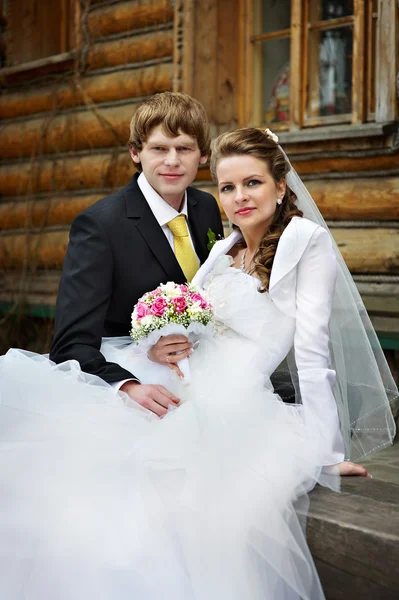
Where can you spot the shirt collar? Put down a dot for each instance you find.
(162, 211)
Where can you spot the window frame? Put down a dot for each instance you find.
(386, 68)
(60, 61)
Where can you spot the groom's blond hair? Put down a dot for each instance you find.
(177, 113)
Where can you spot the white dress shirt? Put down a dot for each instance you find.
(163, 213)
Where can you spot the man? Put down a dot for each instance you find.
(128, 243)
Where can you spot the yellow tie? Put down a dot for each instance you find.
(184, 252)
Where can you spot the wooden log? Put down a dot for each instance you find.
(105, 170)
(106, 87)
(45, 249)
(50, 211)
(373, 250)
(364, 250)
(100, 170)
(124, 16)
(362, 199)
(72, 131)
(39, 287)
(338, 165)
(109, 53)
(365, 199)
(343, 164)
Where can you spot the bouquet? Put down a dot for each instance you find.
(172, 309)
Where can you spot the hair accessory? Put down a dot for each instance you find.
(271, 135)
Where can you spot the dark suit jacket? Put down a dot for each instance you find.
(117, 251)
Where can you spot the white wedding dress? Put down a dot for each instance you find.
(103, 501)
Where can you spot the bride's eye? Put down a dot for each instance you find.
(226, 188)
(253, 182)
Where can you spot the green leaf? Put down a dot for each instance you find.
(211, 239)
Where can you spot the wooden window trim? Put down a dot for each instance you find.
(371, 100)
(358, 121)
(359, 64)
(335, 23)
(281, 34)
(386, 61)
(60, 62)
(37, 68)
(341, 131)
(245, 63)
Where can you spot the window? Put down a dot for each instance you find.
(328, 48)
(35, 30)
(308, 63)
(272, 41)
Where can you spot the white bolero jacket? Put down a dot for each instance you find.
(302, 286)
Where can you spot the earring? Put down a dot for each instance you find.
(279, 201)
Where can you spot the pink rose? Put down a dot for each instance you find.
(142, 310)
(184, 289)
(198, 298)
(158, 307)
(180, 304)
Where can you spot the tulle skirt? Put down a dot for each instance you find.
(102, 500)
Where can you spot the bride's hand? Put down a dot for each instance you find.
(169, 350)
(350, 468)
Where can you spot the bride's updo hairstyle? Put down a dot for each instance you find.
(259, 144)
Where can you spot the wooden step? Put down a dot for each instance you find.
(354, 535)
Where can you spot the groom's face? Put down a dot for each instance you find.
(170, 164)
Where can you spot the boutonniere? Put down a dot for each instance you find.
(212, 238)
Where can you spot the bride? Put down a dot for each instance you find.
(102, 499)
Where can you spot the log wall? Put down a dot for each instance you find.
(64, 124)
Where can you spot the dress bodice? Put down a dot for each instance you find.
(242, 312)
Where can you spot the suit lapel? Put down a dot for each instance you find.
(199, 223)
(139, 212)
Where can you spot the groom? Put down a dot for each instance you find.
(125, 244)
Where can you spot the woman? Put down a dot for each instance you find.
(107, 501)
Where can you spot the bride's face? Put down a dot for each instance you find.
(248, 192)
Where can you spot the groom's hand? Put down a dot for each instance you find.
(155, 398)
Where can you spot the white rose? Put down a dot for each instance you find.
(170, 290)
(194, 308)
(147, 320)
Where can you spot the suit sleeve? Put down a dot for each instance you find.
(314, 297)
(83, 298)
